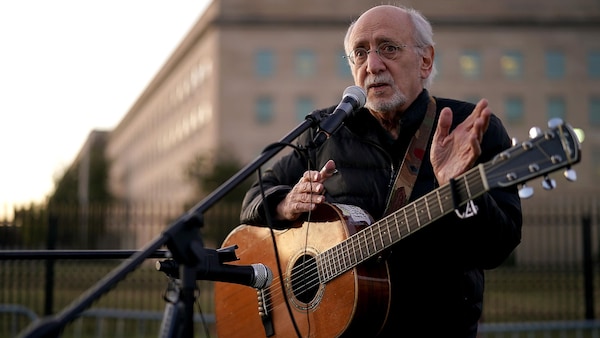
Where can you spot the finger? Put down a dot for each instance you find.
(481, 124)
(486, 115)
(309, 176)
(444, 124)
(328, 170)
(480, 107)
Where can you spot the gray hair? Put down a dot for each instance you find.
(422, 34)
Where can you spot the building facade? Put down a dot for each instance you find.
(250, 71)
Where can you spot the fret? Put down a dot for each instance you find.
(437, 192)
(332, 261)
(327, 264)
(427, 207)
(469, 195)
(351, 255)
(406, 221)
(447, 201)
(366, 243)
(357, 248)
(362, 254)
(417, 214)
(365, 236)
(389, 232)
(329, 268)
(386, 236)
(322, 266)
(371, 241)
(353, 244)
(420, 205)
(348, 255)
(344, 255)
(397, 227)
(381, 237)
(337, 263)
(341, 257)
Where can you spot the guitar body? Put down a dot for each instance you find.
(354, 303)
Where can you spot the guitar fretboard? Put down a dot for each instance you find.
(391, 229)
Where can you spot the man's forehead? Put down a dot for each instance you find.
(368, 32)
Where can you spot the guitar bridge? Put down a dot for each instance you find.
(263, 312)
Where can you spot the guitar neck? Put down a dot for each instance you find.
(388, 231)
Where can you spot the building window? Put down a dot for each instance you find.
(305, 63)
(264, 110)
(264, 63)
(343, 68)
(594, 112)
(555, 65)
(513, 108)
(511, 64)
(556, 107)
(594, 64)
(304, 106)
(470, 64)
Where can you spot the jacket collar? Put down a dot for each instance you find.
(365, 125)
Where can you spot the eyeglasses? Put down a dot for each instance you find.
(385, 50)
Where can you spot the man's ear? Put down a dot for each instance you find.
(427, 61)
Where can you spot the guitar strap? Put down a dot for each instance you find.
(407, 175)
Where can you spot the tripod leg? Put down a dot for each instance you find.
(170, 326)
(172, 321)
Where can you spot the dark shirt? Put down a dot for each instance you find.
(436, 274)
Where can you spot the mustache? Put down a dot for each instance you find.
(379, 79)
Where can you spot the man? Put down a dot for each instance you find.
(436, 274)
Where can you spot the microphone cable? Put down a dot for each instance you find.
(269, 221)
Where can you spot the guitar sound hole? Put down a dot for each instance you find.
(305, 279)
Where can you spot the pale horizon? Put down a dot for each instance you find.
(69, 67)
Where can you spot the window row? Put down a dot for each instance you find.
(556, 107)
(512, 62)
(470, 64)
(513, 109)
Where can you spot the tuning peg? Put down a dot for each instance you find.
(548, 183)
(555, 122)
(535, 132)
(570, 175)
(514, 141)
(525, 191)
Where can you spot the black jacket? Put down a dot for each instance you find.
(437, 273)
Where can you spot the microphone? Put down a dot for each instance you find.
(354, 98)
(258, 275)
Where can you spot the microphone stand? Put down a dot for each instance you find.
(183, 240)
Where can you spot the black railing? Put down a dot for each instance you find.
(553, 275)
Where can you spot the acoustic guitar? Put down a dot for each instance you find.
(328, 281)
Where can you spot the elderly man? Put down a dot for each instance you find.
(436, 275)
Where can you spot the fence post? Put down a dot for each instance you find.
(588, 267)
(49, 285)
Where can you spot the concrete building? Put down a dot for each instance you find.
(250, 71)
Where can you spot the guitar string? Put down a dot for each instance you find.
(279, 289)
(371, 241)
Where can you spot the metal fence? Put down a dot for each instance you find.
(549, 287)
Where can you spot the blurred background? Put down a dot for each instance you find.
(248, 72)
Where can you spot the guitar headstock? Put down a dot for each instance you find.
(544, 153)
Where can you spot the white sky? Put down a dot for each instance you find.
(70, 66)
